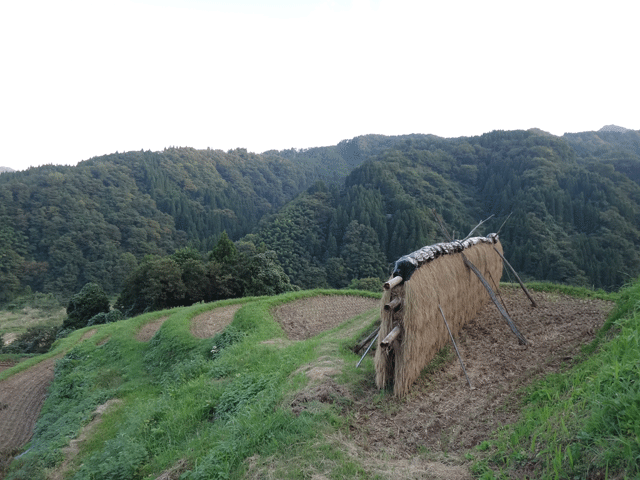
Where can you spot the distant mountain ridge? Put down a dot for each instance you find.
(613, 128)
(332, 213)
(6, 169)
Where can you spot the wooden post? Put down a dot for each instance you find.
(361, 345)
(502, 311)
(455, 346)
(533, 302)
(393, 334)
(394, 304)
(368, 348)
(393, 282)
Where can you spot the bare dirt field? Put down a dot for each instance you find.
(207, 324)
(443, 416)
(308, 317)
(21, 398)
(148, 330)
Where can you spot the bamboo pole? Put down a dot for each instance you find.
(473, 268)
(455, 346)
(393, 334)
(368, 348)
(394, 304)
(361, 345)
(393, 282)
(533, 302)
(505, 315)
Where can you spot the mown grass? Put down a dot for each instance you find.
(183, 404)
(583, 423)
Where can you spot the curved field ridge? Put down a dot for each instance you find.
(308, 317)
(148, 330)
(207, 324)
(21, 398)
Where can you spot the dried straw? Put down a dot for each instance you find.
(445, 281)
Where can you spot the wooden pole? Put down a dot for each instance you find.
(473, 268)
(533, 302)
(361, 345)
(455, 346)
(368, 348)
(394, 304)
(505, 315)
(393, 334)
(393, 282)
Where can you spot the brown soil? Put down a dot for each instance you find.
(207, 324)
(88, 334)
(308, 317)
(21, 398)
(443, 415)
(5, 364)
(148, 330)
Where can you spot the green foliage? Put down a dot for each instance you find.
(222, 340)
(575, 202)
(37, 339)
(225, 252)
(90, 301)
(102, 317)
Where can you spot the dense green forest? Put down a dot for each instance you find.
(331, 214)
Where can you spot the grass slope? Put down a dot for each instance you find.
(182, 401)
(225, 412)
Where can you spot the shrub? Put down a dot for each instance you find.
(90, 301)
(37, 339)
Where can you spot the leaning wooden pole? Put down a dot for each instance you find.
(533, 302)
(455, 346)
(361, 345)
(504, 313)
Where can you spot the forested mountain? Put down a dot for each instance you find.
(331, 213)
(618, 148)
(574, 218)
(6, 169)
(61, 227)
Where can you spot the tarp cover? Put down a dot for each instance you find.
(406, 265)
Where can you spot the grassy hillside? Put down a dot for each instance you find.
(211, 403)
(250, 402)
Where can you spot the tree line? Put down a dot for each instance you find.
(329, 214)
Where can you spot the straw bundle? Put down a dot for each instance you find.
(444, 281)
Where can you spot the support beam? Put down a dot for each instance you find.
(393, 334)
(533, 302)
(393, 282)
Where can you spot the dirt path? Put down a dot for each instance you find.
(442, 415)
(308, 317)
(207, 324)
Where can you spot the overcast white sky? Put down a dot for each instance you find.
(86, 78)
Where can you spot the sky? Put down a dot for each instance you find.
(85, 78)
